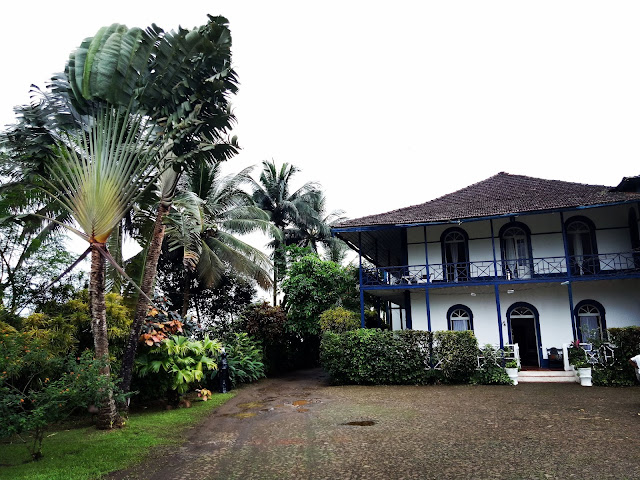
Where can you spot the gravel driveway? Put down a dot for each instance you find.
(299, 427)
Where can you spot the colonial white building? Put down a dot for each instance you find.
(516, 259)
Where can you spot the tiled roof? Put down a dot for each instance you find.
(501, 194)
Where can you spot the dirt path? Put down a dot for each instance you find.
(298, 427)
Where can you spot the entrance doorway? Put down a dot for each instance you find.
(523, 330)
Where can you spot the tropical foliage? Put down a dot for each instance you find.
(272, 193)
(185, 360)
(312, 286)
(208, 214)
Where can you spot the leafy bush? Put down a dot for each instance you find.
(312, 286)
(409, 357)
(268, 325)
(186, 361)
(338, 320)
(491, 371)
(457, 353)
(33, 407)
(618, 372)
(244, 356)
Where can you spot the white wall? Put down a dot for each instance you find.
(619, 298)
(612, 236)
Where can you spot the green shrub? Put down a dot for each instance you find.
(338, 320)
(457, 353)
(491, 371)
(186, 361)
(33, 407)
(267, 324)
(618, 372)
(409, 357)
(244, 356)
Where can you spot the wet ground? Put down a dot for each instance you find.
(299, 427)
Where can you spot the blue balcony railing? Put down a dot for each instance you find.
(602, 265)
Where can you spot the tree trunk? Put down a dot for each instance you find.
(108, 415)
(275, 281)
(142, 307)
(185, 292)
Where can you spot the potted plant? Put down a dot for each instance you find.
(578, 360)
(511, 367)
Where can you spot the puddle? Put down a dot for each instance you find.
(361, 423)
(246, 406)
(244, 415)
(299, 403)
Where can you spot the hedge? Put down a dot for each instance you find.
(410, 357)
(619, 372)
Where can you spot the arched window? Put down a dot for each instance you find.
(583, 250)
(516, 250)
(455, 254)
(590, 321)
(460, 318)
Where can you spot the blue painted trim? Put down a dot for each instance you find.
(407, 310)
(567, 260)
(527, 231)
(475, 219)
(497, 293)
(459, 306)
(443, 249)
(426, 290)
(362, 324)
(493, 249)
(536, 317)
(592, 236)
(601, 310)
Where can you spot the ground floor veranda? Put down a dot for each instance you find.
(536, 316)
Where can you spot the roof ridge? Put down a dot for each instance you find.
(499, 194)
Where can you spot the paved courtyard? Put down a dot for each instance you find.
(299, 427)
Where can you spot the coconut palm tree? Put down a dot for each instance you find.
(206, 217)
(272, 194)
(315, 231)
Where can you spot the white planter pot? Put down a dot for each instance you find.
(585, 376)
(513, 374)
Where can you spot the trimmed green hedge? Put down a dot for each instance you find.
(368, 356)
(619, 372)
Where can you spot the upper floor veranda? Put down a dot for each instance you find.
(566, 245)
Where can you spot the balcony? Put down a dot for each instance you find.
(581, 267)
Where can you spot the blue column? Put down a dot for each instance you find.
(493, 249)
(495, 285)
(497, 291)
(567, 260)
(361, 286)
(407, 310)
(426, 289)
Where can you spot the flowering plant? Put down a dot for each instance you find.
(204, 394)
(577, 355)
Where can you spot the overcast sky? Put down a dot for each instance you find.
(392, 104)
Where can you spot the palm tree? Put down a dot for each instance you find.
(190, 79)
(315, 231)
(272, 194)
(204, 220)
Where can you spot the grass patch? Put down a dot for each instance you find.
(86, 453)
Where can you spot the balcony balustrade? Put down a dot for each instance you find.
(528, 269)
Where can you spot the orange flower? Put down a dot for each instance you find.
(22, 400)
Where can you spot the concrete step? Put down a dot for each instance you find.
(547, 376)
